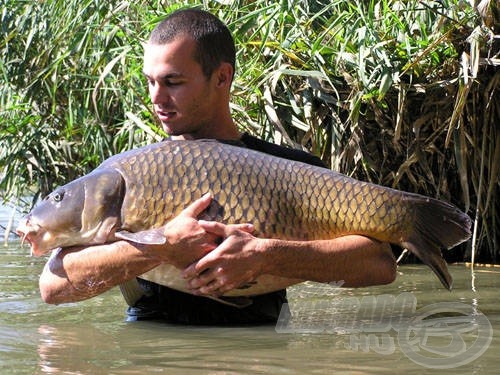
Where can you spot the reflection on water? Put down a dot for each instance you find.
(91, 337)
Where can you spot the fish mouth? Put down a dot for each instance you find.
(31, 234)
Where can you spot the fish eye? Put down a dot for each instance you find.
(58, 196)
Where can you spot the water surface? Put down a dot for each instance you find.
(91, 337)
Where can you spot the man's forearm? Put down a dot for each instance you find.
(79, 273)
(76, 274)
(356, 260)
(241, 258)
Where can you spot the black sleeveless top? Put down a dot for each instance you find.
(171, 306)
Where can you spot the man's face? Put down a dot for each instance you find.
(182, 96)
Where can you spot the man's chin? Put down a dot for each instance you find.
(170, 129)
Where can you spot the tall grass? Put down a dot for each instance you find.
(402, 93)
(72, 89)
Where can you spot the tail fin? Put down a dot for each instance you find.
(437, 225)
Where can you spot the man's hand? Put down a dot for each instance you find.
(186, 240)
(234, 263)
(241, 258)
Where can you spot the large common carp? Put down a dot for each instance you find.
(144, 188)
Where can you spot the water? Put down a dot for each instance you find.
(91, 337)
(9, 217)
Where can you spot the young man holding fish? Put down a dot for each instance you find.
(189, 63)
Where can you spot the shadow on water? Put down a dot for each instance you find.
(360, 331)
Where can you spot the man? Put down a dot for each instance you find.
(189, 63)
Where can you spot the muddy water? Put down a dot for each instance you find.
(412, 326)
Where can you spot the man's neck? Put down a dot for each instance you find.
(229, 132)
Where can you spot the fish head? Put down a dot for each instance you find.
(85, 211)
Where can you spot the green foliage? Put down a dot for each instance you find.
(388, 91)
(71, 83)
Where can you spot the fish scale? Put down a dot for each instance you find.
(281, 191)
(281, 198)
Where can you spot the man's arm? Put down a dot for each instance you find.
(76, 274)
(356, 260)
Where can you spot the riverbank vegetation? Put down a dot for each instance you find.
(400, 93)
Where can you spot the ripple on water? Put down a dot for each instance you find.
(91, 337)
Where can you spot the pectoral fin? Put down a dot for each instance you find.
(131, 291)
(147, 237)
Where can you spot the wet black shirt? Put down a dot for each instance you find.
(169, 305)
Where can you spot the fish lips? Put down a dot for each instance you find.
(32, 234)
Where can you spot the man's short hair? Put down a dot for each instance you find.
(214, 42)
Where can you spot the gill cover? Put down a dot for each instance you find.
(100, 215)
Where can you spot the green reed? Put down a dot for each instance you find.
(401, 93)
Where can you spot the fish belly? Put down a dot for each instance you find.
(169, 276)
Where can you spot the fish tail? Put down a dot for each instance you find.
(436, 225)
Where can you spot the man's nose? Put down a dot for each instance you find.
(158, 94)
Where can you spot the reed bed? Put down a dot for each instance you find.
(400, 93)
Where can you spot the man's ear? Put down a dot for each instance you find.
(224, 74)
